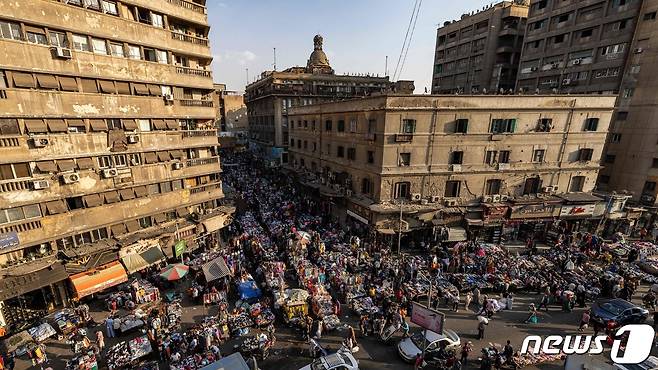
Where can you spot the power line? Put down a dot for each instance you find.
(405, 38)
(411, 36)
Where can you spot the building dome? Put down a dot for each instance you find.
(318, 61)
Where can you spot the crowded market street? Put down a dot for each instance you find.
(284, 281)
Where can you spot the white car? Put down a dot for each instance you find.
(337, 361)
(410, 347)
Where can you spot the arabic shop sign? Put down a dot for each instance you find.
(583, 210)
(533, 211)
(179, 248)
(9, 240)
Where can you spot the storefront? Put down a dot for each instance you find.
(577, 213)
(530, 219)
(493, 218)
(138, 258)
(98, 279)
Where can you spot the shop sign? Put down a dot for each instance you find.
(427, 318)
(9, 240)
(494, 213)
(533, 211)
(179, 248)
(583, 210)
(358, 217)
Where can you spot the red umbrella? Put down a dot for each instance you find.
(174, 272)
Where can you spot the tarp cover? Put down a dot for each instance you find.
(248, 290)
(215, 269)
(99, 279)
(232, 362)
(137, 262)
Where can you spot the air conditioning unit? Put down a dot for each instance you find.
(40, 142)
(133, 139)
(169, 98)
(40, 184)
(177, 165)
(504, 198)
(496, 198)
(566, 81)
(348, 193)
(577, 61)
(110, 172)
(424, 202)
(548, 189)
(487, 199)
(70, 178)
(416, 197)
(62, 53)
(503, 166)
(639, 50)
(456, 168)
(533, 69)
(435, 199)
(450, 202)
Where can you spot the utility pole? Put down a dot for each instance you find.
(400, 227)
(274, 59)
(386, 67)
(247, 69)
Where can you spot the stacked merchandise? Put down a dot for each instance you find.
(240, 321)
(139, 347)
(41, 332)
(129, 322)
(530, 359)
(364, 306)
(118, 356)
(86, 361)
(145, 292)
(65, 321)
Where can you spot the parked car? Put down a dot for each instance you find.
(337, 361)
(410, 347)
(619, 311)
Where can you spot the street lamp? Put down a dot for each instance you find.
(400, 203)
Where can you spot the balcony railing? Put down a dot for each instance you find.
(7, 186)
(21, 227)
(193, 72)
(404, 138)
(195, 103)
(9, 142)
(199, 133)
(206, 187)
(189, 38)
(202, 161)
(189, 5)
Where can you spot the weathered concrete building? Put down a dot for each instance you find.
(577, 46)
(232, 122)
(269, 99)
(108, 146)
(481, 51)
(435, 154)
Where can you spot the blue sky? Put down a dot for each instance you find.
(358, 34)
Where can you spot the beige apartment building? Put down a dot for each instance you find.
(513, 154)
(108, 148)
(480, 52)
(232, 121)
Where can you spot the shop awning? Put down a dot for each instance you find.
(456, 234)
(85, 163)
(98, 125)
(13, 285)
(137, 262)
(386, 231)
(98, 279)
(215, 269)
(214, 223)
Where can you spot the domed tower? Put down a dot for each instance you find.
(318, 62)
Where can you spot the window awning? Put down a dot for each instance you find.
(171, 124)
(118, 229)
(111, 197)
(215, 223)
(46, 166)
(155, 90)
(140, 89)
(23, 80)
(68, 83)
(92, 200)
(182, 212)
(65, 165)
(56, 207)
(159, 124)
(98, 125)
(137, 262)
(78, 123)
(176, 154)
(129, 124)
(123, 88)
(127, 194)
(132, 225)
(32, 29)
(163, 156)
(160, 218)
(150, 157)
(215, 269)
(99, 279)
(85, 163)
(47, 81)
(141, 191)
(35, 126)
(107, 87)
(57, 125)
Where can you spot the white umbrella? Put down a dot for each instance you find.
(483, 319)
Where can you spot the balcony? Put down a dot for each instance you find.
(193, 72)
(189, 5)
(404, 138)
(202, 161)
(189, 38)
(195, 103)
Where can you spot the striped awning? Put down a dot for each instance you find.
(98, 279)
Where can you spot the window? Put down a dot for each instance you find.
(493, 187)
(305, 145)
(114, 123)
(649, 16)
(340, 152)
(591, 124)
(81, 43)
(610, 159)
(99, 46)
(628, 93)
(404, 160)
(452, 189)
(161, 56)
(145, 222)
(503, 156)
(577, 184)
(538, 155)
(299, 144)
(461, 126)
(149, 55)
(650, 186)
(157, 20)
(104, 161)
(315, 147)
(327, 125)
(58, 39)
(353, 125)
(120, 160)
(36, 36)
(109, 7)
(371, 157)
(456, 157)
(585, 154)
(655, 163)
(366, 186)
(93, 4)
(14, 171)
(341, 126)
(622, 116)
(558, 39)
(532, 185)
(165, 187)
(499, 126)
(10, 31)
(613, 49)
(615, 138)
(402, 190)
(134, 52)
(135, 159)
(408, 126)
(75, 203)
(586, 33)
(144, 125)
(372, 125)
(116, 49)
(545, 125)
(351, 154)
(9, 126)
(491, 157)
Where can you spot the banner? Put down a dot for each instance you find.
(9, 240)
(180, 248)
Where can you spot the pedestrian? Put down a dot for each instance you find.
(532, 318)
(113, 307)
(318, 332)
(100, 341)
(467, 300)
(455, 302)
(418, 364)
(363, 325)
(481, 326)
(584, 321)
(508, 352)
(476, 297)
(109, 326)
(544, 302)
(466, 350)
